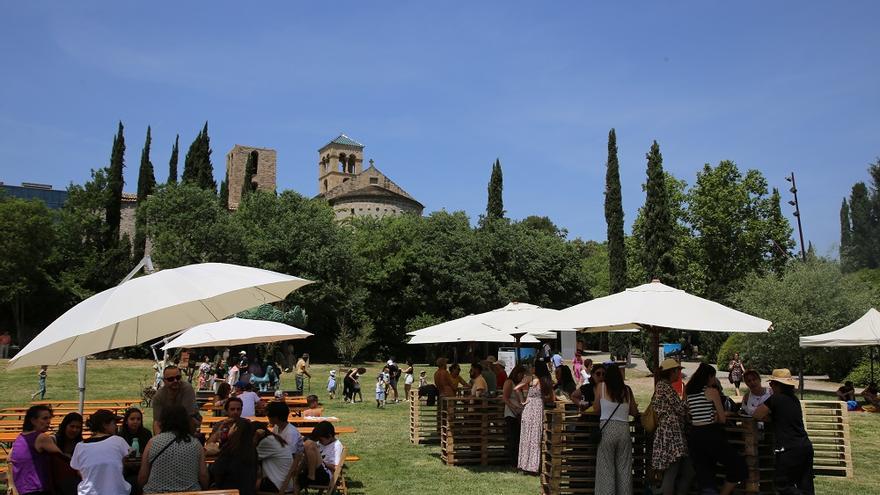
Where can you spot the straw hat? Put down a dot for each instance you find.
(670, 364)
(783, 376)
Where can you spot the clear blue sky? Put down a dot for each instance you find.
(438, 90)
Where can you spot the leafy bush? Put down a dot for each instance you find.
(861, 374)
(736, 342)
(810, 298)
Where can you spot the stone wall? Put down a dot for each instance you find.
(236, 160)
(378, 207)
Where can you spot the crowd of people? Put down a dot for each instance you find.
(122, 456)
(689, 441)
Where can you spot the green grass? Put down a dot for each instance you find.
(389, 463)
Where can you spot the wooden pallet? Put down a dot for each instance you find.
(827, 424)
(473, 431)
(424, 420)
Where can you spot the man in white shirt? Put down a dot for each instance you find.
(323, 452)
(249, 399)
(275, 458)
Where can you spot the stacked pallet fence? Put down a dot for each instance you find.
(755, 446)
(827, 424)
(568, 453)
(424, 424)
(472, 431)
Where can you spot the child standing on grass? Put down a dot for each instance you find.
(331, 384)
(380, 391)
(42, 390)
(423, 380)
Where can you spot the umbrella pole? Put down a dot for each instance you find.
(518, 344)
(872, 365)
(655, 341)
(81, 382)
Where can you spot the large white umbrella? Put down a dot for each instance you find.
(650, 307)
(236, 331)
(152, 306)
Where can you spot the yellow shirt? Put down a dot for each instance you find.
(480, 386)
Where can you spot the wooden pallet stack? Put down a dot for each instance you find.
(755, 447)
(472, 431)
(827, 424)
(568, 454)
(424, 424)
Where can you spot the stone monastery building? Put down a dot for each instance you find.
(342, 181)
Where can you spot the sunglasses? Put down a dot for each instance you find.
(172, 378)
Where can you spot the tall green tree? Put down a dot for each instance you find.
(780, 234)
(146, 186)
(614, 218)
(495, 205)
(172, 163)
(862, 249)
(27, 243)
(658, 238)
(845, 237)
(116, 182)
(224, 194)
(874, 172)
(197, 167)
(250, 171)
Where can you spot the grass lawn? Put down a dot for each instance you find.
(389, 463)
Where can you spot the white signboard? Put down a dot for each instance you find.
(507, 358)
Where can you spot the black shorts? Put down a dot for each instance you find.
(322, 477)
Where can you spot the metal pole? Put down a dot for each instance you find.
(797, 213)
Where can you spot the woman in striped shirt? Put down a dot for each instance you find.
(707, 440)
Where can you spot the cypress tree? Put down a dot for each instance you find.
(172, 164)
(205, 169)
(658, 235)
(614, 219)
(250, 171)
(861, 240)
(192, 162)
(115, 183)
(845, 236)
(146, 186)
(874, 171)
(224, 194)
(495, 205)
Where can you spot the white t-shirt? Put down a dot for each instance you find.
(101, 466)
(331, 453)
(249, 404)
(276, 459)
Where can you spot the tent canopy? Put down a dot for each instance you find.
(862, 332)
(236, 331)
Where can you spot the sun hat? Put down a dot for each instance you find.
(670, 364)
(783, 376)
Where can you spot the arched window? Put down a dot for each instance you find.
(342, 159)
(325, 185)
(351, 163)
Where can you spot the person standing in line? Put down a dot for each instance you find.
(41, 391)
(615, 404)
(670, 453)
(556, 360)
(755, 395)
(513, 408)
(794, 451)
(538, 389)
(707, 439)
(302, 371)
(408, 379)
(233, 375)
(479, 387)
(577, 367)
(443, 379)
(5, 342)
(457, 380)
(735, 372)
(393, 378)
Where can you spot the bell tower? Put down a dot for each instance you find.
(339, 160)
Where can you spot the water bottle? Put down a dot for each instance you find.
(135, 448)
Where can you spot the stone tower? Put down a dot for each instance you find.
(339, 161)
(236, 160)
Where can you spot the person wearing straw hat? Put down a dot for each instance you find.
(794, 451)
(670, 444)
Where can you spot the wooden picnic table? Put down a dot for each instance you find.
(98, 402)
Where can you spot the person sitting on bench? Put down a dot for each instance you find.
(323, 452)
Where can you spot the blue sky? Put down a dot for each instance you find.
(438, 91)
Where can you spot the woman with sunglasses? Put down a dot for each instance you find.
(585, 395)
(31, 451)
